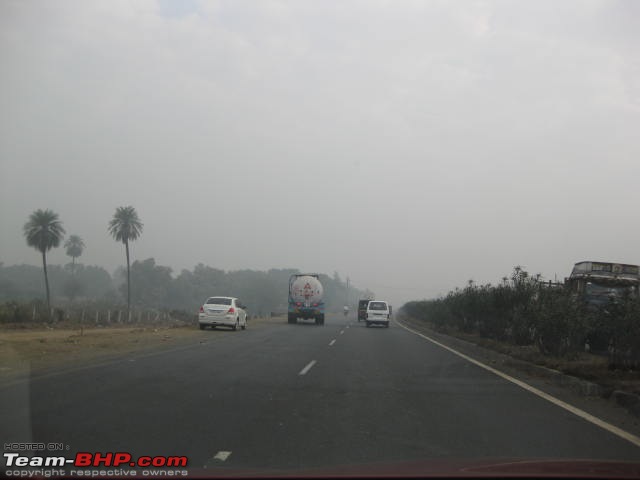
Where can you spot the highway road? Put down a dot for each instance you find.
(299, 397)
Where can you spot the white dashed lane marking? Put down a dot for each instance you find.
(221, 455)
(332, 342)
(307, 368)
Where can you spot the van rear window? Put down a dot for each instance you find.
(377, 306)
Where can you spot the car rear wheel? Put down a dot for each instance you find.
(235, 327)
(368, 324)
(201, 327)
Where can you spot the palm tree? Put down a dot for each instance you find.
(43, 232)
(74, 247)
(125, 226)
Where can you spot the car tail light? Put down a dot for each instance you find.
(315, 304)
(298, 304)
(201, 309)
(232, 310)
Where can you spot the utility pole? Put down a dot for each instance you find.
(346, 299)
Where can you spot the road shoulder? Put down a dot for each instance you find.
(602, 408)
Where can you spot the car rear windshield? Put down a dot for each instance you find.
(218, 301)
(377, 306)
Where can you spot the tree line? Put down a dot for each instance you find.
(525, 310)
(155, 286)
(44, 231)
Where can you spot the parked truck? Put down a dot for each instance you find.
(306, 298)
(598, 283)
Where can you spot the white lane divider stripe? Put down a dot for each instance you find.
(576, 411)
(332, 342)
(307, 368)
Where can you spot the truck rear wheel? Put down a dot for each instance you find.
(291, 318)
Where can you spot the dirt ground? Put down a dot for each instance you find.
(41, 349)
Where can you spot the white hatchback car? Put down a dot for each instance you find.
(378, 312)
(222, 311)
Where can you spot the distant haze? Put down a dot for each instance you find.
(407, 145)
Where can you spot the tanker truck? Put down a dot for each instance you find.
(306, 298)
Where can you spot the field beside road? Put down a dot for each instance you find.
(41, 349)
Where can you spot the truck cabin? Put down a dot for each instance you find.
(599, 283)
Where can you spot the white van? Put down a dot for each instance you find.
(378, 312)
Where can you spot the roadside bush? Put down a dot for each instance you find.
(524, 310)
(624, 348)
(560, 327)
(13, 311)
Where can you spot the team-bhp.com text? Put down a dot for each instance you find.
(50, 465)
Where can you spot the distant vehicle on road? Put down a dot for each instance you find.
(378, 313)
(362, 309)
(306, 298)
(222, 311)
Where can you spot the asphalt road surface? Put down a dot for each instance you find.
(299, 397)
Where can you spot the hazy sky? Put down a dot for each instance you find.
(409, 145)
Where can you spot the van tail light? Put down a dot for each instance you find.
(232, 310)
(201, 309)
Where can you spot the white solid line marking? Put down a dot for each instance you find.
(341, 332)
(332, 342)
(307, 368)
(576, 411)
(221, 455)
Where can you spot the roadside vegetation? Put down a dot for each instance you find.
(532, 315)
(157, 290)
(144, 291)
